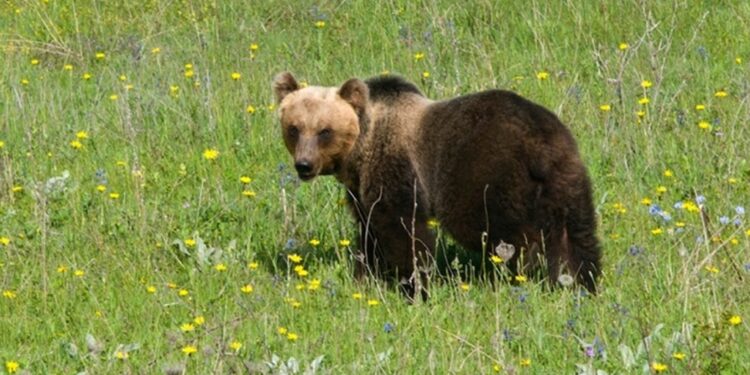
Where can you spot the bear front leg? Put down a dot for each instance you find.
(404, 250)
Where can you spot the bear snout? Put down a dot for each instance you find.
(304, 169)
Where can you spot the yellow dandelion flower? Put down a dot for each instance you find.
(433, 223)
(721, 94)
(79, 273)
(86, 76)
(221, 267)
(314, 242)
(236, 76)
(247, 289)
(497, 368)
(496, 259)
(82, 134)
(521, 278)
(248, 193)
(659, 367)
(254, 47)
(734, 241)
(187, 327)
(680, 224)
(735, 320)
(678, 356)
(252, 265)
(732, 181)
(100, 55)
(357, 295)
(525, 362)
(661, 189)
(646, 201)
(657, 231)
(418, 56)
(199, 320)
(34, 61)
(245, 180)
(2, 144)
(690, 206)
(605, 107)
(294, 258)
(24, 81)
(189, 350)
(113, 97)
(151, 289)
(542, 75)
(16, 189)
(12, 366)
(344, 243)
(189, 242)
(189, 74)
(373, 302)
(9, 294)
(623, 46)
(700, 107)
(313, 284)
(646, 84)
(705, 125)
(68, 67)
(155, 50)
(114, 196)
(121, 354)
(465, 287)
(210, 154)
(302, 273)
(235, 345)
(250, 109)
(291, 336)
(62, 269)
(101, 188)
(5, 241)
(712, 269)
(282, 331)
(668, 173)
(425, 74)
(123, 77)
(320, 24)
(77, 145)
(644, 100)
(183, 293)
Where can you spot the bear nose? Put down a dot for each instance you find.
(303, 167)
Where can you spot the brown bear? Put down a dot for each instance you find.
(500, 173)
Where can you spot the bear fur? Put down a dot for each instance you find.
(501, 175)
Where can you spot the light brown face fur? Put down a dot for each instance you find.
(320, 125)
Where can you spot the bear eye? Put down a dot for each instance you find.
(292, 131)
(325, 134)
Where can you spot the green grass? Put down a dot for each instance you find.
(75, 262)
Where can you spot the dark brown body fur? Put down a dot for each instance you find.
(492, 167)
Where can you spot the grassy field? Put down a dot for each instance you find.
(150, 221)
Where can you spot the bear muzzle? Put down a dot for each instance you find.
(305, 169)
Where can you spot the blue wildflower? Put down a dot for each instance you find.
(635, 250)
(700, 199)
(724, 220)
(387, 327)
(290, 244)
(740, 210)
(654, 210)
(737, 222)
(678, 205)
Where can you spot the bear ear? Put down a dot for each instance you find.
(283, 85)
(355, 92)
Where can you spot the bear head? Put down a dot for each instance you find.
(320, 125)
